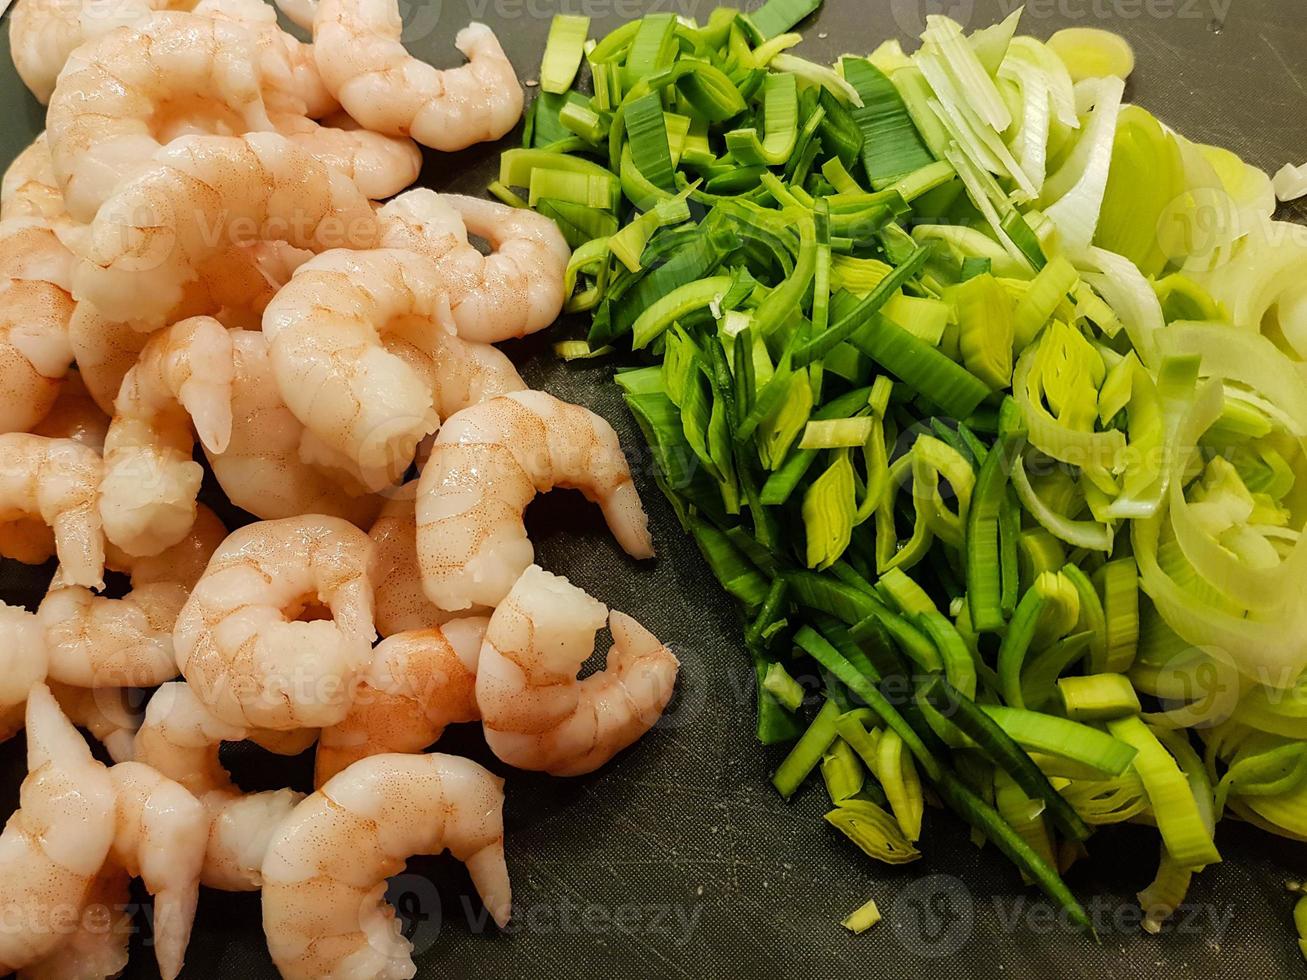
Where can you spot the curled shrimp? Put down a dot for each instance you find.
(324, 875)
(109, 714)
(515, 290)
(54, 845)
(536, 714)
(378, 165)
(94, 641)
(365, 356)
(364, 64)
(239, 642)
(119, 98)
(262, 469)
(232, 286)
(29, 188)
(201, 195)
(401, 605)
(23, 664)
(75, 415)
(58, 482)
(487, 464)
(417, 684)
(160, 834)
(35, 307)
(180, 386)
(181, 738)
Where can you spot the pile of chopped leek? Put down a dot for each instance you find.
(982, 393)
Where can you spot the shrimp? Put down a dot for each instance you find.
(201, 195)
(324, 875)
(238, 640)
(536, 714)
(365, 356)
(75, 416)
(417, 684)
(57, 481)
(487, 464)
(379, 165)
(515, 290)
(261, 470)
(180, 738)
(23, 664)
(36, 272)
(120, 97)
(364, 64)
(54, 845)
(29, 188)
(401, 605)
(160, 834)
(109, 714)
(96, 642)
(180, 386)
(233, 287)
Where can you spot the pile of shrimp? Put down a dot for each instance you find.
(211, 256)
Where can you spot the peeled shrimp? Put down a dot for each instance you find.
(29, 188)
(417, 684)
(95, 641)
(401, 605)
(53, 846)
(515, 290)
(36, 273)
(239, 643)
(364, 64)
(262, 469)
(232, 286)
(180, 386)
(109, 714)
(487, 464)
(75, 416)
(378, 165)
(23, 664)
(57, 481)
(119, 98)
(537, 715)
(324, 876)
(365, 356)
(201, 195)
(160, 833)
(180, 738)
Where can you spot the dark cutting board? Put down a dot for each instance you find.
(679, 860)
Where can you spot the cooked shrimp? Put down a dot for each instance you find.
(94, 946)
(537, 715)
(53, 846)
(122, 96)
(23, 663)
(57, 481)
(233, 287)
(365, 356)
(515, 290)
(239, 642)
(109, 714)
(324, 876)
(488, 463)
(35, 306)
(379, 165)
(261, 469)
(201, 195)
(94, 641)
(401, 603)
(417, 684)
(75, 416)
(29, 188)
(180, 386)
(160, 833)
(362, 59)
(180, 738)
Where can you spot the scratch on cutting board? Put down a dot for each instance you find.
(1289, 69)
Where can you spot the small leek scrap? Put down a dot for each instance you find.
(981, 394)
